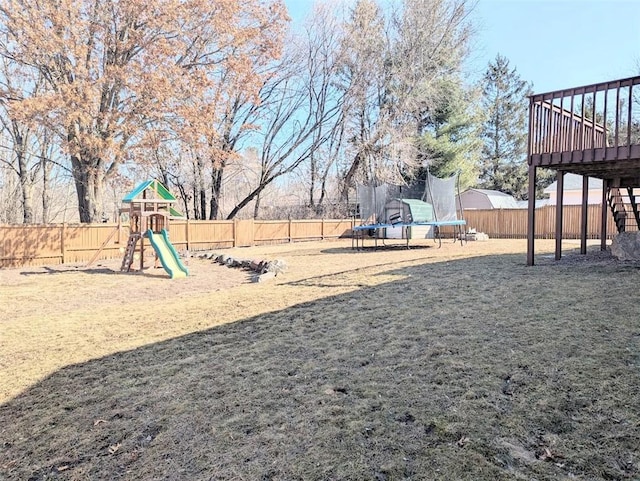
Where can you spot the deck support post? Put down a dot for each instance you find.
(559, 205)
(604, 214)
(531, 215)
(583, 214)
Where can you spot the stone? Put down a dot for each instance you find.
(477, 236)
(235, 263)
(626, 246)
(264, 277)
(256, 265)
(277, 267)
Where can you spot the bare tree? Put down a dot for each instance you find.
(221, 115)
(115, 70)
(30, 144)
(300, 111)
(363, 52)
(11, 209)
(390, 68)
(323, 32)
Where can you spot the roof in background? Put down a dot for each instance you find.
(490, 192)
(499, 200)
(574, 182)
(523, 204)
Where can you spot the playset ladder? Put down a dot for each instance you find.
(128, 255)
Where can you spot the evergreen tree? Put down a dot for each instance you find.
(503, 165)
(450, 139)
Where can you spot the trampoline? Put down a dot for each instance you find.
(361, 232)
(440, 194)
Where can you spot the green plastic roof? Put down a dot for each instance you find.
(156, 186)
(159, 189)
(420, 211)
(175, 213)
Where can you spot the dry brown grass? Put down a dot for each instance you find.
(452, 363)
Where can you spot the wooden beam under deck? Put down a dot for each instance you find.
(583, 216)
(559, 210)
(587, 156)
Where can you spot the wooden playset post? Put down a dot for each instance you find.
(143, 228)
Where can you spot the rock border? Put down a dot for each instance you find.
(264, 269)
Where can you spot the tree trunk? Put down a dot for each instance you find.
(319, 207)
(313, 181)
(247, 199)
(256, 207)
(23, 174)
(194, 194)
(199, 190)
(216, 186)
(348, 179)
(203, 202)
(46, 184)
(27, 204)
(185, 198)
(89, 183)
(164, 174)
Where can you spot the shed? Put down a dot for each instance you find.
(408, 211)
(486, 199)
(572, 195)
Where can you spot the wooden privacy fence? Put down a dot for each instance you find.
(512, 223)
(63, 243)
(22, 245)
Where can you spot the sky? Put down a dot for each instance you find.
(554, 44)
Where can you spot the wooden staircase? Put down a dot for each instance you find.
(634, 206)
(621, 215)
(128, 254)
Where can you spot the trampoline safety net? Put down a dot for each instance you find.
(441, 193)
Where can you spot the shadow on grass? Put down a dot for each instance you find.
(150, 272)
(469, 369)
(65, 269)
(381, 248)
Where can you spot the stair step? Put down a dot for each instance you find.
(616, 204)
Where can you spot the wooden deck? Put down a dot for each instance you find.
(594, 131)
(563, 136)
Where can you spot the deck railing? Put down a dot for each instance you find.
(590, 117)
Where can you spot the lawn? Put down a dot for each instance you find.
(458, 363)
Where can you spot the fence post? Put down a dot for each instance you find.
(188, 233)
(234, 229)
(322, 229)
(63, 234)
(289, 234)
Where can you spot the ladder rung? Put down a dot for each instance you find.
(128, 255)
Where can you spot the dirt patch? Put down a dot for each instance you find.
(451, 363)
(71, 286)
